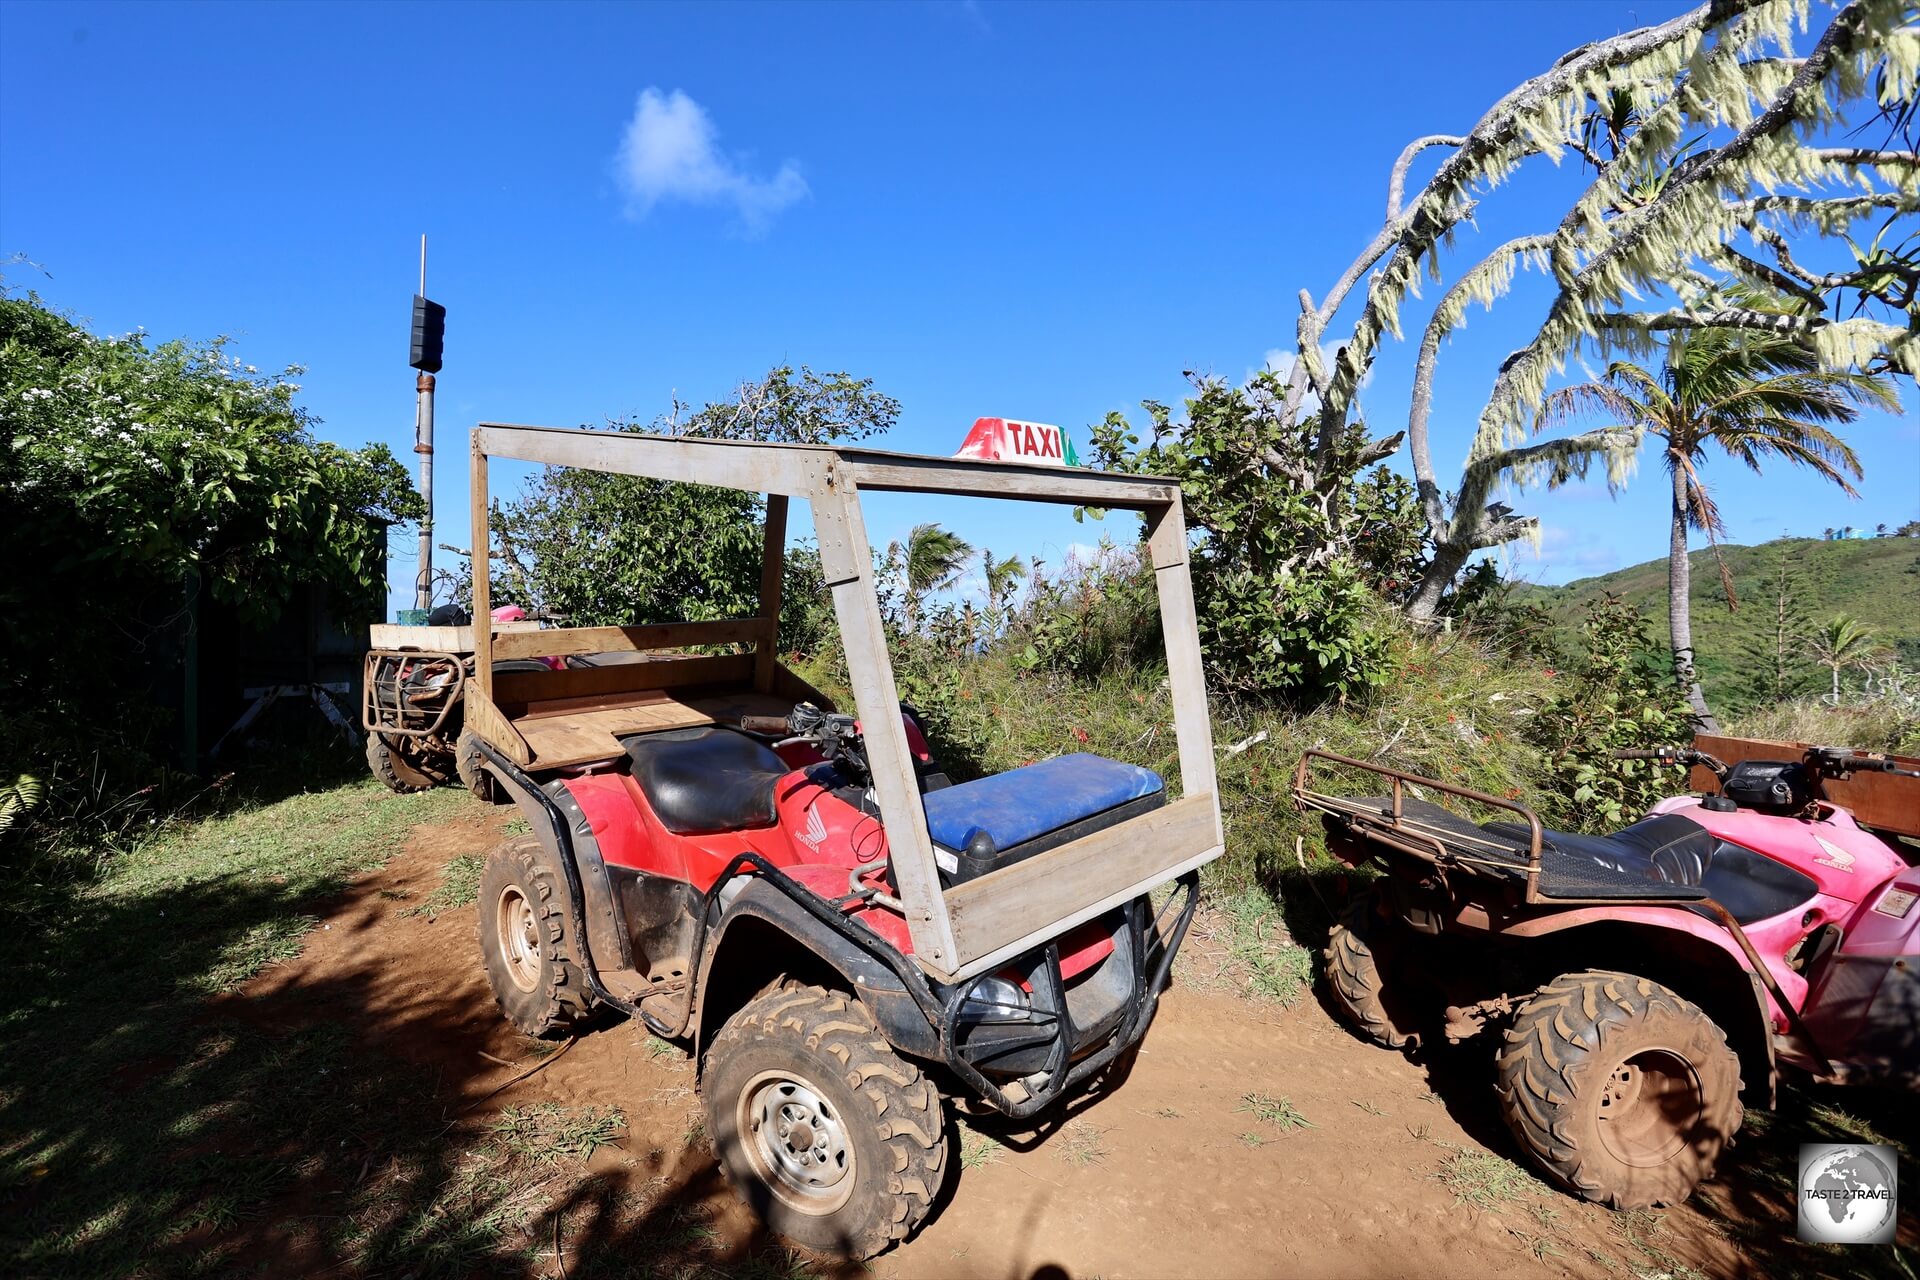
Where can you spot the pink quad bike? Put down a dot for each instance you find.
(1648, 981)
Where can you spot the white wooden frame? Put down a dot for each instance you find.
(972, 927)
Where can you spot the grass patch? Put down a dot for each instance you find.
(1082, 1144)
(162, 1128)
(459, 886)
(547, 1132)
(268, 942)
(977, 1150)
(1260, 952)
(1484, 1180)
(1278, 1112)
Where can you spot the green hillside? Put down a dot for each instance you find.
(1876, 580)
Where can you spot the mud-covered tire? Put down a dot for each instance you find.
(473, 775)
(393, 769)
(1365, 953)
(527, 940)
(1622, 1091)
(875, 1155)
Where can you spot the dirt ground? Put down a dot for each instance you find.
(1249, 1140)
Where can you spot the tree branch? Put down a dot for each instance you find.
(1445, 316)
(1443, 193)
(1396, 186)
(1721, 318)
(1803, 289)
(1376, 450)
(1562, 315)
(1862, 155)
(1778, 243)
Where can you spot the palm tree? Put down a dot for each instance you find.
(1841, 643)
(1754, 395)
(930, 560)
(1002, 577)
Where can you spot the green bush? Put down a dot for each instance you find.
(135, 476)
(127, 464)
(1293, 544)
(1094, 616)
(1619, 694)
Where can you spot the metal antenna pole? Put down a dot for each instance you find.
(423, 445)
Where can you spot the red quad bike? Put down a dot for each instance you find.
(843, 938)
(1648, 979)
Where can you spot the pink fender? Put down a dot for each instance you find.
(1771, 938)
(1864, 1009)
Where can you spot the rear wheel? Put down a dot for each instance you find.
(388, 760)
(836, 1141)
(473, 774)
(1621, 1090)
(1366, 958)
(527, 940)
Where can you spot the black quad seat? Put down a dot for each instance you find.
(704, 781)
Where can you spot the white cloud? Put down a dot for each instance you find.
(671, 152)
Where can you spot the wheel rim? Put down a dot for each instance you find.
(798, 1142)
(519, 931)
(1650, 1105)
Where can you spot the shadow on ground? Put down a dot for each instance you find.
(153, 1123)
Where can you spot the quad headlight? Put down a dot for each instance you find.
(994, 999)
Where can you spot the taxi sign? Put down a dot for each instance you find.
(1012, 440)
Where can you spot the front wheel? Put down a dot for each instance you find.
(836, 1141)
(1622, 1091)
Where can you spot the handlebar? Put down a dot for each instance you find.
(1828, 759)
(1847, 760)
(1684, 756)
(836, 736)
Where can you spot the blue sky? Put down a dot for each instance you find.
(1044, 212)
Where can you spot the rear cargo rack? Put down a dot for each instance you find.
(1427, 830)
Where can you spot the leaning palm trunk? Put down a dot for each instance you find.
(1680, 606)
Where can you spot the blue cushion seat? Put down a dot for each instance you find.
(1023, 804)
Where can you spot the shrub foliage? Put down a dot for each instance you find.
(1295, 541)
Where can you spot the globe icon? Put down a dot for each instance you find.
(1847, 1196)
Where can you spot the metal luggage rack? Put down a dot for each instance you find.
(384, 706)
(1427, 830)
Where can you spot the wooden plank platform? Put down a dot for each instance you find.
(393, 635)
(561, 738)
